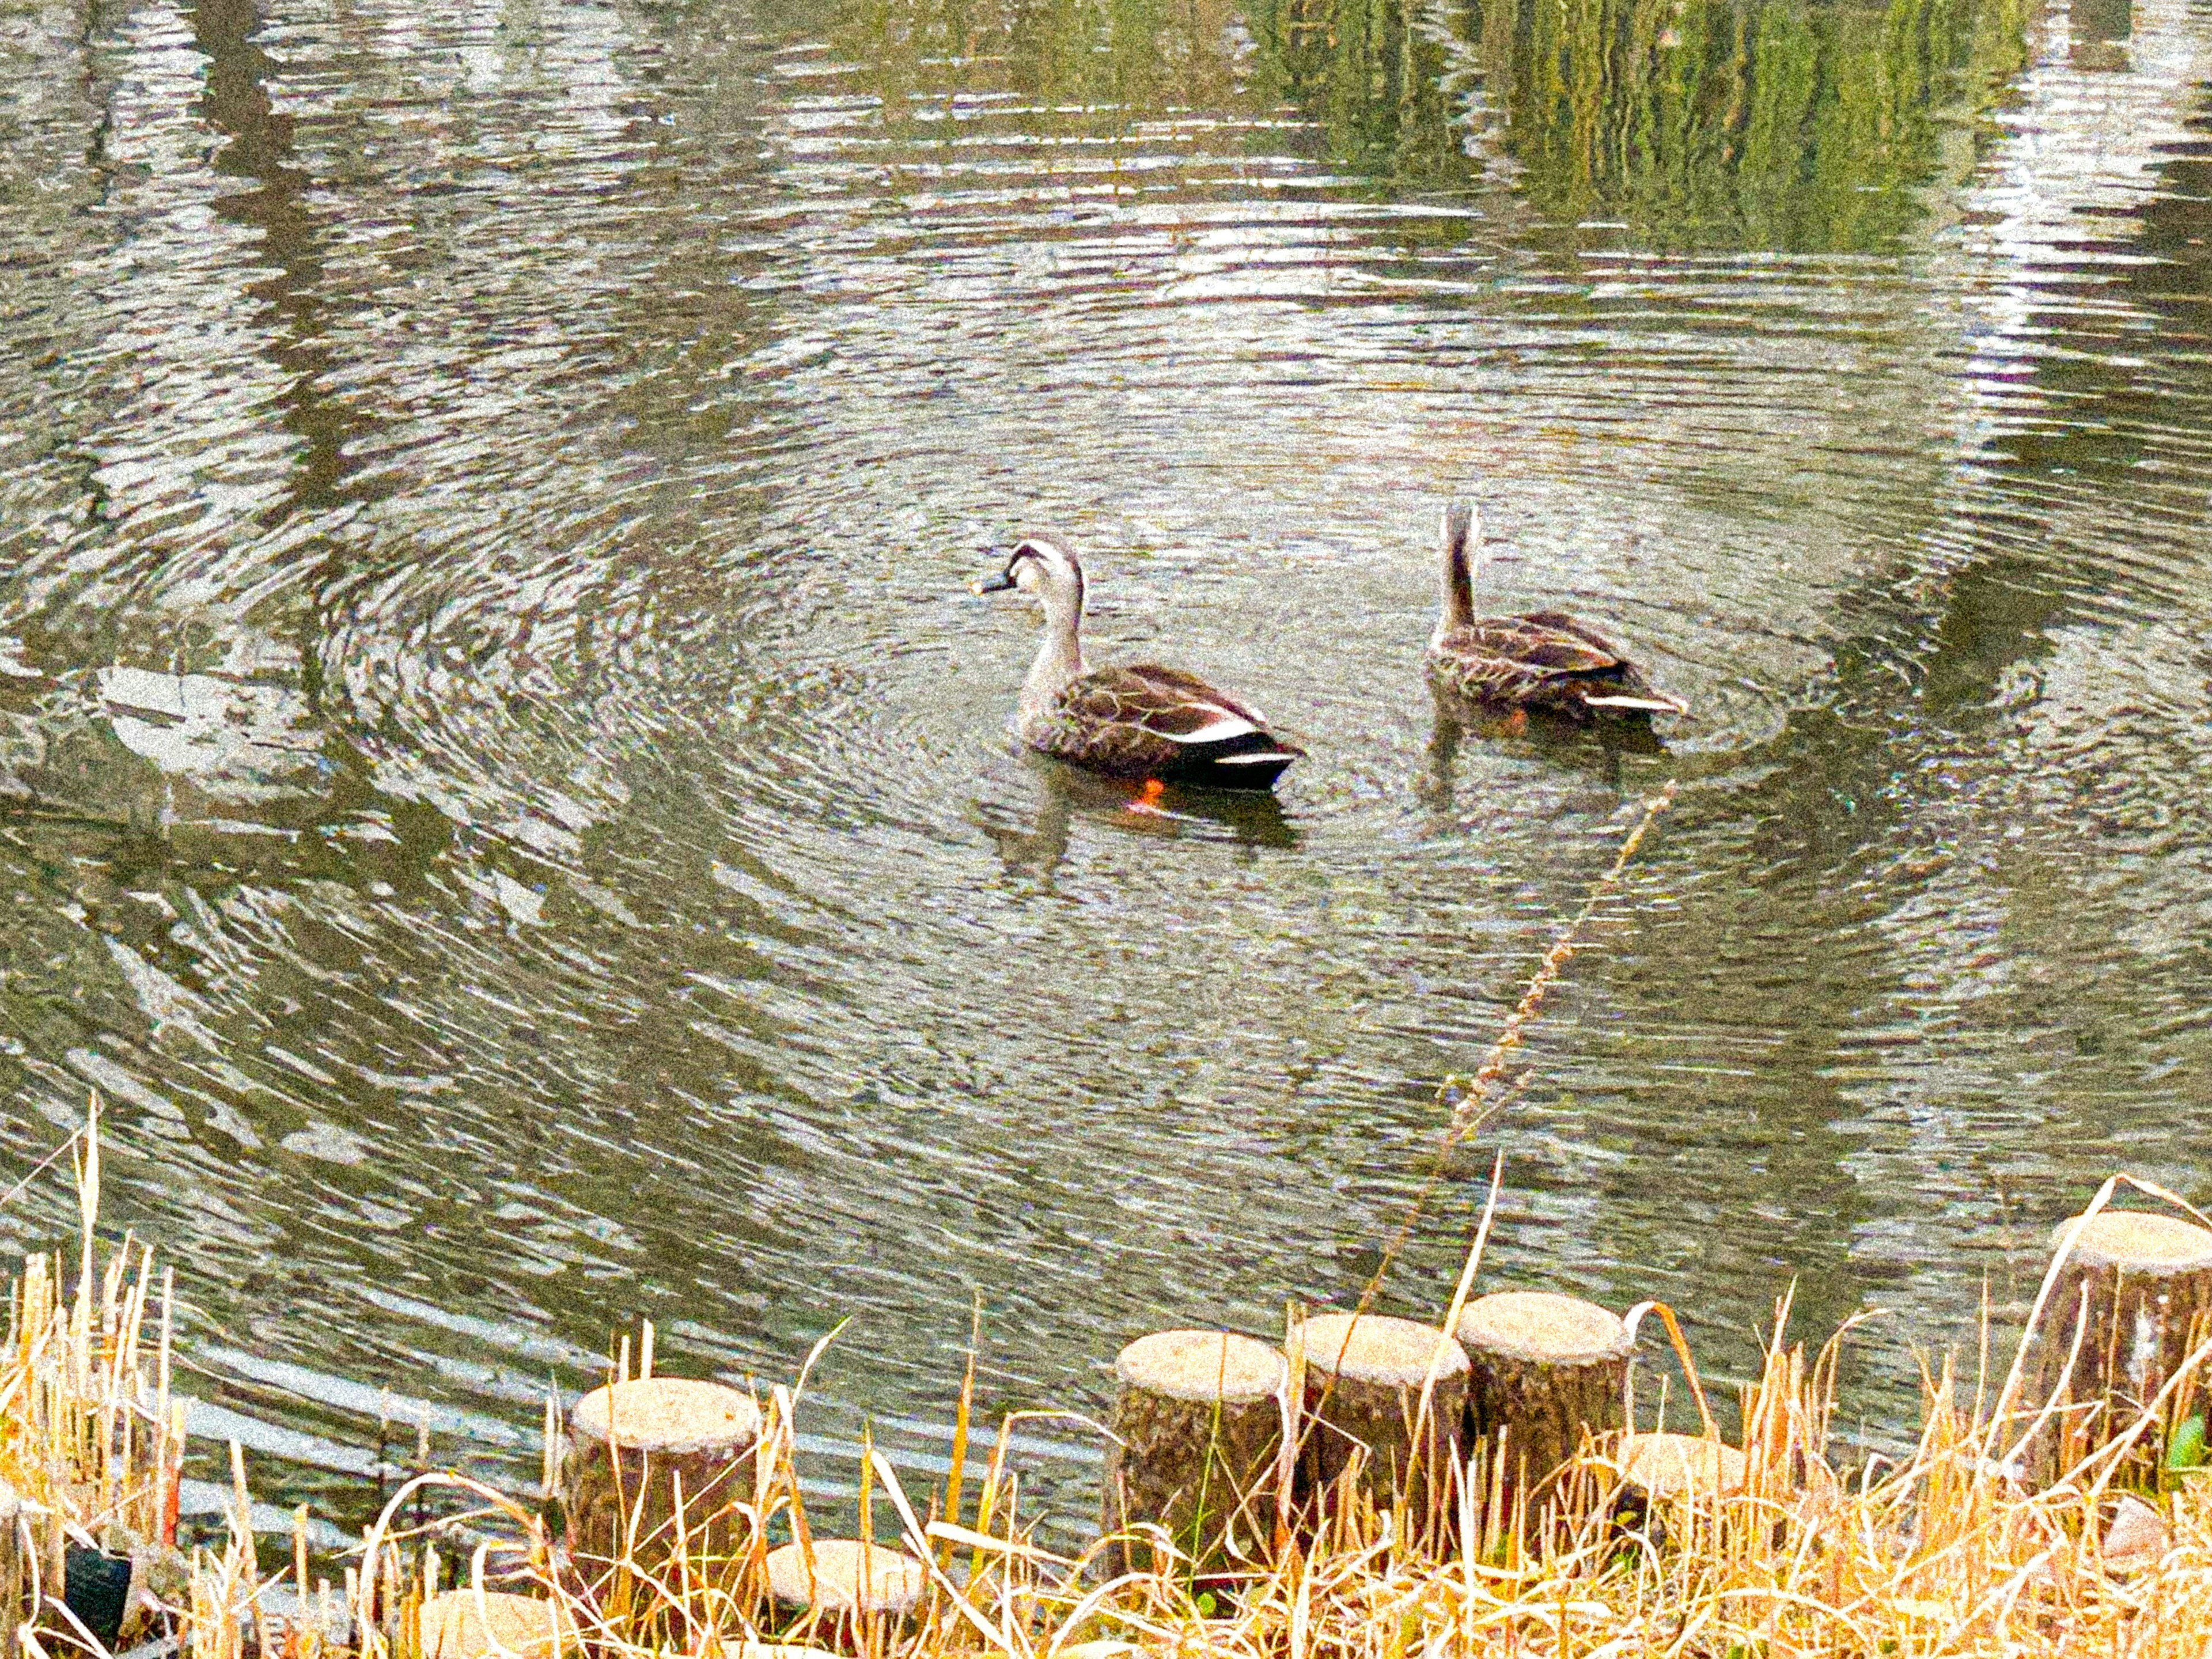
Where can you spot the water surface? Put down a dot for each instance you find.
(505, 793)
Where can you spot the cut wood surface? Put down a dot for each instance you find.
(1364, 1376)
(634, 1446)
(832, 1579)
(2137, 1291)
(1665, 1466)
(526, 1625)
(1197, 1421)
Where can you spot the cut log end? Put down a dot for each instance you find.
(1377, 1348)
(1664, 1466)
(667, 1414)
(1203, 1366)
(846, 1577)
(1545, 1329)
(2137, 1241)
(527, 1626)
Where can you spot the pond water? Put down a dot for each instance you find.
(505, 793)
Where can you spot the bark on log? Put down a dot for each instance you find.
(1544, 1368)
(632, 1446)
(832, 1581)
(1198, 1420)
(529, 1627)
(16, 1569)
(2138, 1289)
(1364, 1382)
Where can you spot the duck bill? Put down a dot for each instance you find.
(998, 584)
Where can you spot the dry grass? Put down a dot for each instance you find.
(1938, 1550)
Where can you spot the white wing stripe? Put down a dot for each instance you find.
(1220, 729)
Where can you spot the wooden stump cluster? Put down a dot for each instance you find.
(2130, 1302)
(1199, 1415)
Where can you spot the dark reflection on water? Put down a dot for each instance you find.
(502, 789)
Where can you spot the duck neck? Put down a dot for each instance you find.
(1058, 657)
(1457, 576)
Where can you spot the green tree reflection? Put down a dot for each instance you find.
(1796, 125)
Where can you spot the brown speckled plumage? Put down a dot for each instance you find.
(1545, 660)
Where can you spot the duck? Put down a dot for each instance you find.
(1135, 720)
(1545, 661)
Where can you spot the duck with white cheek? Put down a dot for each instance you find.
(1138, 720)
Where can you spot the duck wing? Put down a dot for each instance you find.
(1545, 659)
(1166, 701)
(1144, 720)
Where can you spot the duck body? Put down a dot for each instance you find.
(1146, 721)
(1134, 720)
(1545, 661)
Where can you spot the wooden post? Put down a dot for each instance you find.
(632, 1446)
(1364, 1379)
(1662, 1465)
(2137, 1290)
(525, 1625)
(832, 1579)
(15, 1571)
(1667, 1478)
(1197, 1422)
(1545, 1368)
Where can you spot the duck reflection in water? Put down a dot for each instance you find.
(1143, 807)
(1604, 748)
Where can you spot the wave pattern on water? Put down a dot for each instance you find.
(503, 789)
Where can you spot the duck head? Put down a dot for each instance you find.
(1045, 568)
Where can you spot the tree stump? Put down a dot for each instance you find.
(1364, 1378)
(1662, 1467)
(1665, 1475)
(1544, 1369)
(833, 1583)
(633, 1446)
(2138, 1288)
(525, 1625)
(1197, 1421)
(15, 1571)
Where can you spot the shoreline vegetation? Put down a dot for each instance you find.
(1952, 1547)
(2057, 1502)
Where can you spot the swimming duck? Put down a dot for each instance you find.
(1545, 660)
(1137, 721)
